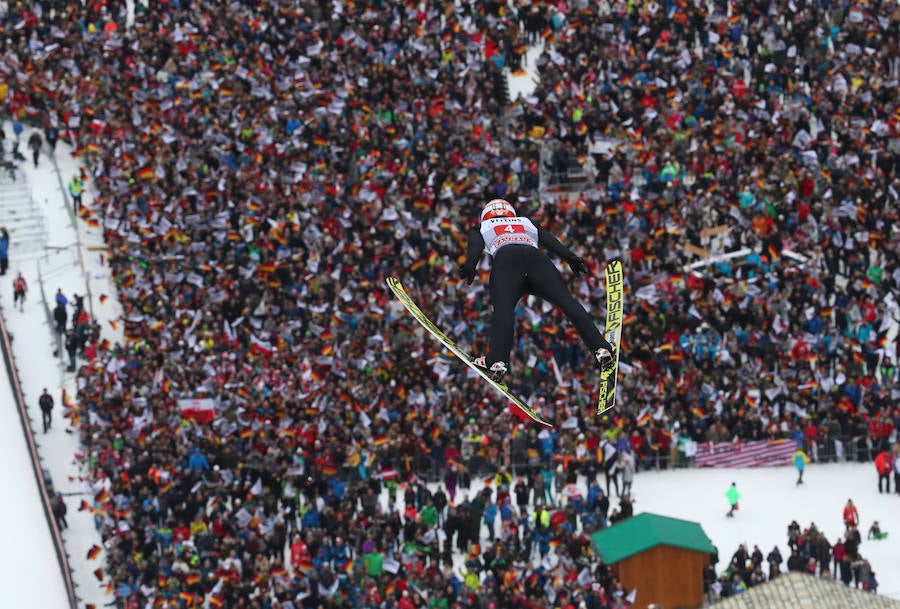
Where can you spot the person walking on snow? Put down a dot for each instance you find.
(884, 463)
(733, 496)
(4, 250)
(76, 187)
(800, 461)
(518, 268)
(896, 469)
(851, 515)
(20, 287)
(46, 404)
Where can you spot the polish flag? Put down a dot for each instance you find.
(199, 410)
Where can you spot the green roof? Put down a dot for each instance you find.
(645, 531)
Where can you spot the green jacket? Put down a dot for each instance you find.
(733, 495)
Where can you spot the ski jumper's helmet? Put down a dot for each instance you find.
(496, 208)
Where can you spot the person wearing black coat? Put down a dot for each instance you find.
(440, 503)
(71, 349)
(774, 559)
(46, 404)
(59, 511)
(62, 317)
(846, 569)
(795, 561)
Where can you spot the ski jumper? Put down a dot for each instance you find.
(520, 268)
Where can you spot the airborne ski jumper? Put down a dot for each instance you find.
(518, 268)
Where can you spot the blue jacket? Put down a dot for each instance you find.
(198, 460)
(800, 460)
(4, 248)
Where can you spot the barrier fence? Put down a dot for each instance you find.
(61, 556)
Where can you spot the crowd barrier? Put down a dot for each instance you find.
(745, 453)
(61, 556)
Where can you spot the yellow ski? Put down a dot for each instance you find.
(397, 288)
(606, 392)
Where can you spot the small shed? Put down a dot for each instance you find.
(662, 558)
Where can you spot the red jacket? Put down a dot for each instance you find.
(884, 462)
(851, 516)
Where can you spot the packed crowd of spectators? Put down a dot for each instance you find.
(258, 169)
(809, 551)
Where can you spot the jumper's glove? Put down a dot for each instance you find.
(578, 266)
(467, 272)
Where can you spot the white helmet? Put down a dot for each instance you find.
(497, 207)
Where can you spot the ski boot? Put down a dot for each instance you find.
(604, 356)
(497, 370)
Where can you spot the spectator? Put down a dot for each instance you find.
(884, 465)
(851, 515)
(71, 344)
(59, 511)
(35, 141)
(76, 187)
(4, 250)
(61, 317)
(800, 461)
(733, 496)
(20, 288)
(46, 404)
(896, 468)
(875, 532)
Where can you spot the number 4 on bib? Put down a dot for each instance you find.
(606, 391)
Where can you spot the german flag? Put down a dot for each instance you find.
(330, 470)
(84, 506)
(774, 254)
(320, 141)
(98, 573)
(147, 173)
(93, 552)
(381, 440)
(246, 433)
(215, 601)
(268, 267)
(192, 579)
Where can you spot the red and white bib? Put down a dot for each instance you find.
(498, 232)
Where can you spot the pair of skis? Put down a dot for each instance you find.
(606, 393)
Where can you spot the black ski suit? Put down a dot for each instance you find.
(519, 269)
